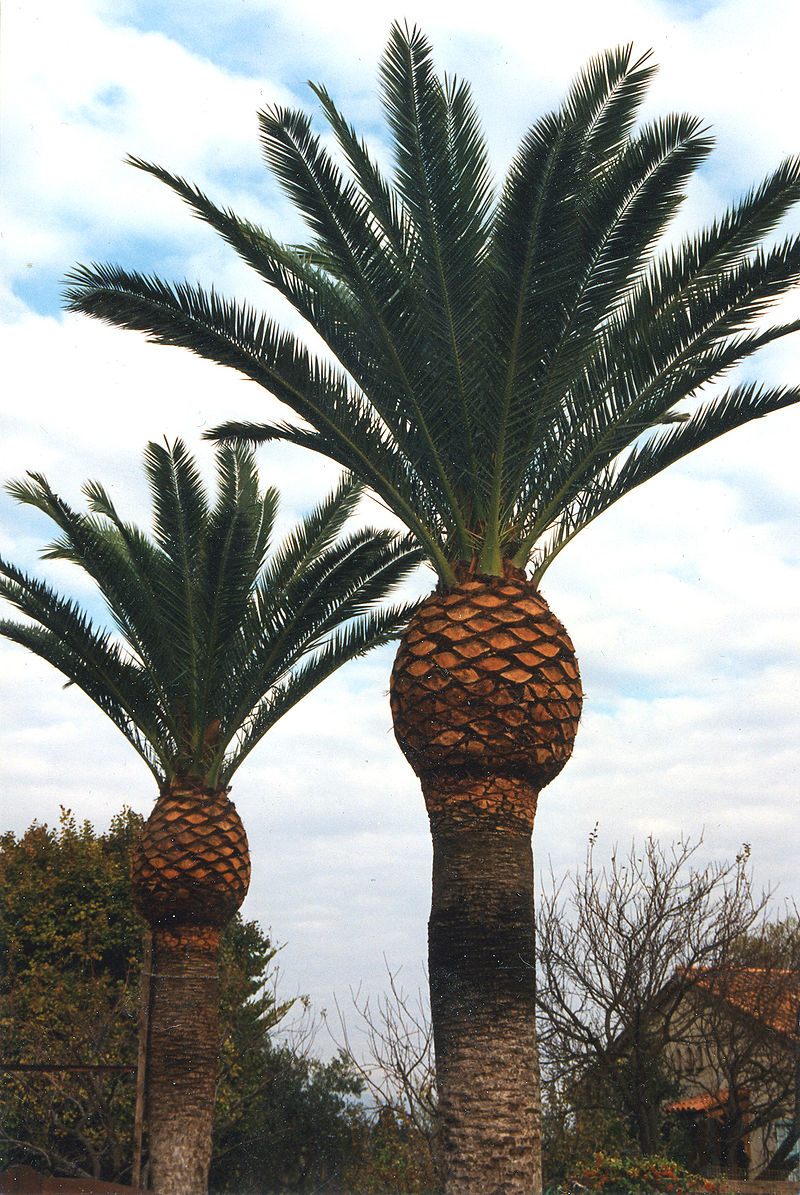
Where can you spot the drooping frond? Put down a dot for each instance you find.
(654, 454)
(496, 357)
(349, 431)
(318, 581)
(61, 633)
(356, 639)
(121, 562)
(213, 624)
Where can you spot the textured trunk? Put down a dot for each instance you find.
(192, 863)
(182, 1058)
(190, 873)
(641, 1105)
(481, 960)
(486, 700)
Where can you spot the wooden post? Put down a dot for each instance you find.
(141, 1059)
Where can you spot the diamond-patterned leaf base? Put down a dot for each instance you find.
(192, 863)
(486, 682)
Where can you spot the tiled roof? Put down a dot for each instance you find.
(698, 1103)
(770, 995)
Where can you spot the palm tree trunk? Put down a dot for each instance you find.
(182, 1057)
(486, 698)
(190, 873)
(481, 959)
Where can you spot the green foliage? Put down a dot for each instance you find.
(71, 950)
(307, 1130)
(391, 1155)
(571, 1140)
(505, 364)
(298, 1131)
(775, 945)
(65, 903)
(220, 632)
(69, 945)
(626, 1176)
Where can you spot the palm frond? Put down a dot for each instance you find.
(311, 592)
(391, 220)
(222, 331)
(603, 103)
(295, 273)
(352, 641)
(652, 455)
(63, 635)
(409, 371)
(217, 625)
(114, 558)
(311, 538)
(235, 548)
(443, 179)
(493, 357)
(723, 247)
(410, 496)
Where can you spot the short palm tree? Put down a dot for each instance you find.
(505, 368)
(218, 635)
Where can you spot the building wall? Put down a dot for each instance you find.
(692, 1056)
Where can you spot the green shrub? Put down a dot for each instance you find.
(626, 1176)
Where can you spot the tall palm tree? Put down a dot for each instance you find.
(505, 367)
(217, 635)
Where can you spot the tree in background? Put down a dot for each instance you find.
(624, 954)
(504, 365)
(220, 633)
(390, 1048)
(626, 932)
(302, 1131)
(71, 954)
(746, 1023)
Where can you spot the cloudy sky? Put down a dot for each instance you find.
(683, 602)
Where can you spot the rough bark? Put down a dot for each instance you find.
(481, 960)
(190, 874)
(486, 681)
(192, 863)
(182, 1058)
(486, 699)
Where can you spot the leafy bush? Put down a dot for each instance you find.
(626, 1176)
(70, 958)
(392, 1154)
(570, 1142)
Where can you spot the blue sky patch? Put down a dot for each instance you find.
(689, 9)
(235, 38)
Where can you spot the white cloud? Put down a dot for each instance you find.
(683, 602)
(74, 115)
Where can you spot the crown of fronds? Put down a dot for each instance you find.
(506, 365)
(216, 633)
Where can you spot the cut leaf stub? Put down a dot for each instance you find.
(192, 862)
(486, 681)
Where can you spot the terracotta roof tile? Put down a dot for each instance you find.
(770, 995)
(698, 1103)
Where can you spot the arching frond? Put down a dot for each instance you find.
(117, 559)
(62, 634)
(498, 354)
(358, 637)
(652, 455)
(215, 624)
